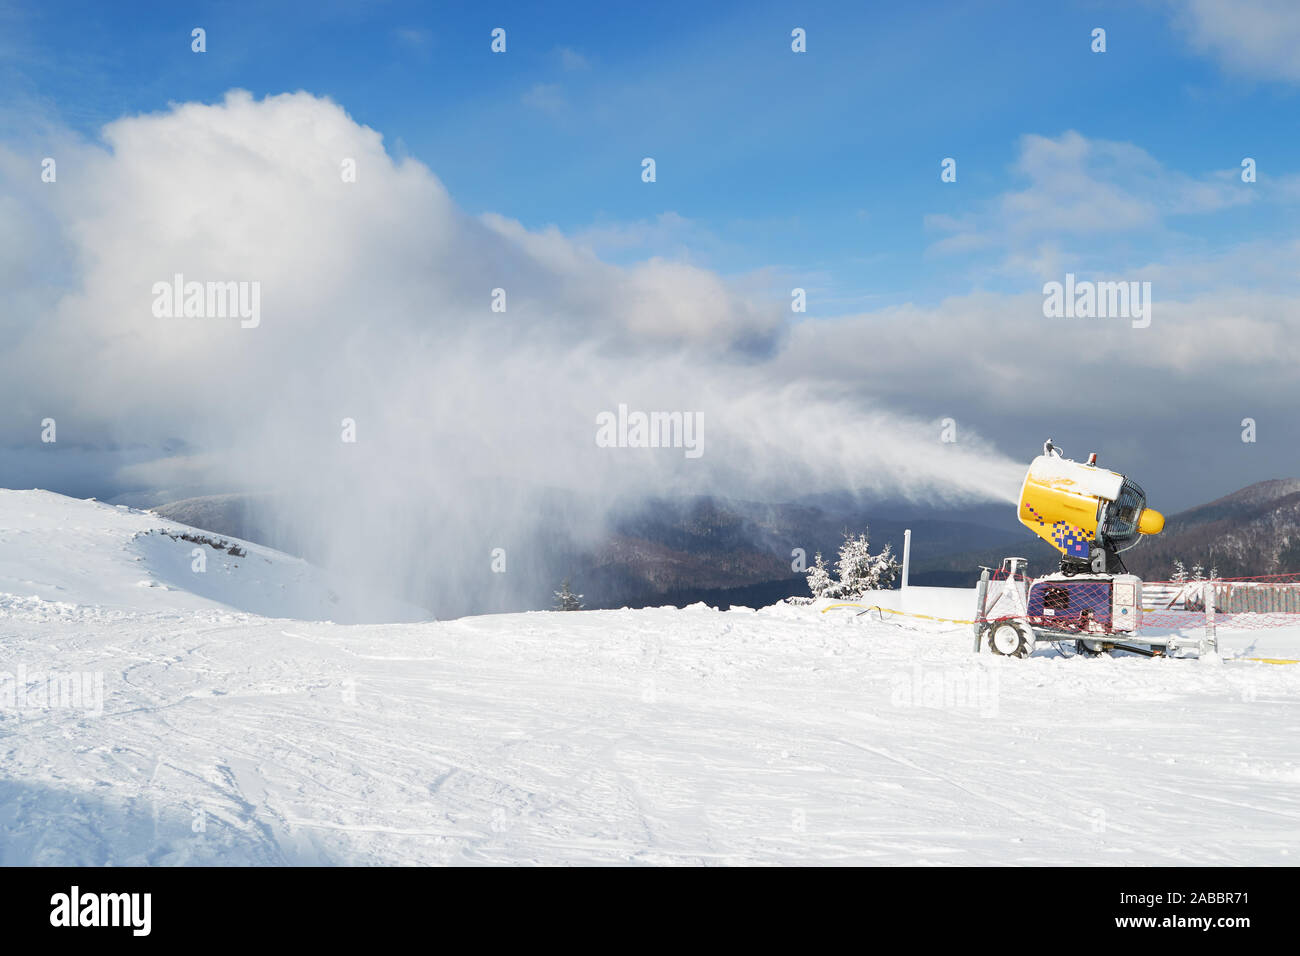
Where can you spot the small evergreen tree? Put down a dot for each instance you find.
(855, 566)
(819, 577)
(1198, 573)
(1180, 572)
(885, 568)
(566, 600)
(858, 569)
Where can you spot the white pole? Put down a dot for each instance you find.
(907, 554)
(982, 596)
(1211, 637)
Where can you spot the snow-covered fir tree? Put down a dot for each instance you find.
(1180, 572)
(1198, 573)
(857, 568)
(566, 600)
(886, 568)
(819, 577)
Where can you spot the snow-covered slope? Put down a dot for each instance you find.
(65, 549)
(651, 736)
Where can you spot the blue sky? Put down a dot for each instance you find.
(822, 166)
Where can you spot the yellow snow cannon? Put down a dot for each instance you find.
(1087, 513)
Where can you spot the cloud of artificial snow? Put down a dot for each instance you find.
(376, 307)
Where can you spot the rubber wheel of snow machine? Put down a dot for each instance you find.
(1090, 648)
(1007, 638)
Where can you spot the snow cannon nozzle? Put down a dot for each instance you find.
(1151, 522)
(1088, 513)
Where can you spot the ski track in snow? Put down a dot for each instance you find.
(630, 737)
(656, 736)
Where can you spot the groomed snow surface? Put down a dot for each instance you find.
(783, 735)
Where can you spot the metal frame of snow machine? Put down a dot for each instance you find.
(1091, 613)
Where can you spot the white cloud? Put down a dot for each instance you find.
(546, 97)
(988, 357)
(1255, 38)
(417, 38)
(1082, 189)
(664, 231)
(572, 60)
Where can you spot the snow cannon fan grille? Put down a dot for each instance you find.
(1120, 525)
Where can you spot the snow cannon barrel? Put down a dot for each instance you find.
(1077, 507)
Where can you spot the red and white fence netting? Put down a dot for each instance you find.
(1243, 603)
(1247, 603)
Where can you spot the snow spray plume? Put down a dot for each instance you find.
(424, 389)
